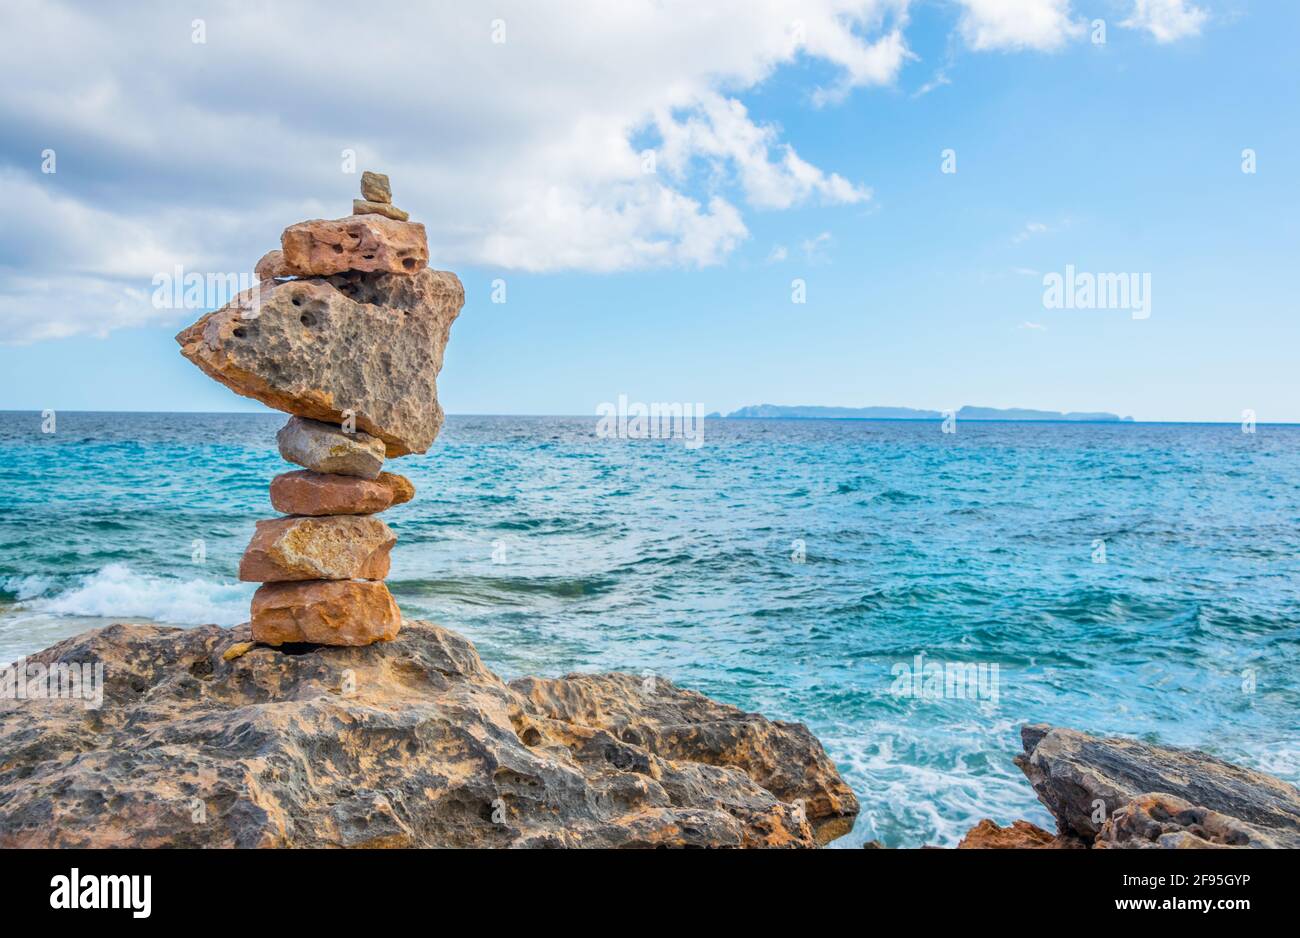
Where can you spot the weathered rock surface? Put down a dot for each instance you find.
(328, 612)
(402, 488)
(326, 448)
(362, 207)
(375, 187)
(325, 493)
(1075, 775)
(271, 265)
(1021, 835)
(1166, 822)
(371, 344)
(783, 758)
(336, 547)
(368, 243)
(408, 743)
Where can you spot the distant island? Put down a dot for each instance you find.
(780, 411)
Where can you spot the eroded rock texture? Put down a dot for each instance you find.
(365, 345)
(405, 743)
(369, 243)
(1084, 779)
(334, 547)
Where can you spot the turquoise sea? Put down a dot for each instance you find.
(789, 567)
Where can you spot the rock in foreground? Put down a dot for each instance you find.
(365, 346)
(1116, 792)
(408, 743)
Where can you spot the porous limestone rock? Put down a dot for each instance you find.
(325, 493)
(652, 714)
(327, 448)
(1166, 822)
(369, 345)
(1083, 780)
(375, 187)
(362, 207)
(328, 612)
(408, 743)
(336, 547)
(367, 243)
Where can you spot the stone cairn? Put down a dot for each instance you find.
(345, 331)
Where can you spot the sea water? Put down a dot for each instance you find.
(1141, 579)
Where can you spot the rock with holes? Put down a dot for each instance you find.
(406, 743)
(1167, 822)
(322, 493)
(325, 612)
(336, 547)
(652, 714)
(368, 243)
(1083, 780)
(326, 447)
(365, 345)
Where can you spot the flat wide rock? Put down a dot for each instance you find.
(338, 547)
(362, 207)
(325, 612)
(369, 243)
(327, 448)
(407, 743)
(1083, 780)
(325, 493)
(366, 344)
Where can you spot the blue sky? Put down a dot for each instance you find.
(923, 288)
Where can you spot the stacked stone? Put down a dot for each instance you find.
(345, 332)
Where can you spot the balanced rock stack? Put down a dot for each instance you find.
(345, 331)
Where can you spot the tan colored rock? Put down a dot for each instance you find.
(237, 650)
(375, 187)
(325, 612)
(362, 207)
(270, 266)
(371, 344)
(337, 547)
(367, 243)
(325, 447)
(325, 493)
(400, 486)
(784, 758)
(423, 747)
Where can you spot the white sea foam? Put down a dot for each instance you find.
(116, 591)
(25, 587)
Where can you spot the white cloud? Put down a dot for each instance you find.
(1166, 20)
(1042, 25)
(524, 154)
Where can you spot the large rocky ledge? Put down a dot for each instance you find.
(407, 743)
(1121, 793)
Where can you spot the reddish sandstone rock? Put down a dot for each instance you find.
(366, 243)
(339, 547)
(401, 487)
(325, 612)
(326, 493)
(987, 835)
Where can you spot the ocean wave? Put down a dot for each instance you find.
(116, 591)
